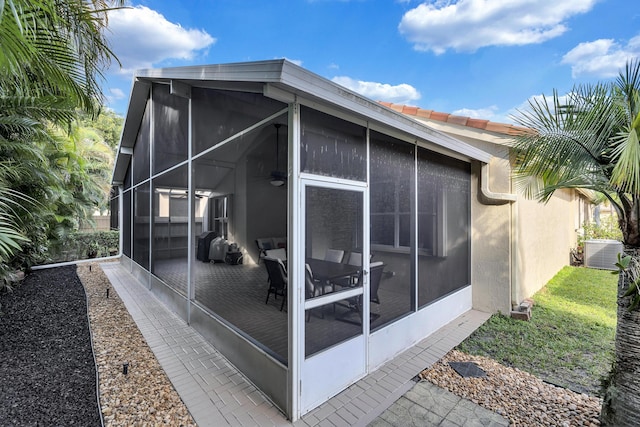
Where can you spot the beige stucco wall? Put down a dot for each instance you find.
(491, 238)
(516, 247)
(491, 226)
(546, 234)
(102, 223)
(490, 253)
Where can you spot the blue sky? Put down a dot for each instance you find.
(477, 58)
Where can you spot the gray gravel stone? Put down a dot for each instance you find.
(517, 395)
(145, 396)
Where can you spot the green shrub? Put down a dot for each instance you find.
(84, 245)
(8, 277)
(608, 229)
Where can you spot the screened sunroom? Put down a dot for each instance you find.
(309, 233)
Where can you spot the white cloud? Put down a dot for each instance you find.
(113, 95)
(141, 37)
(298, 62)
(467, 25)
(545, 101)
(116, 93)
(479, 113)
(491, 113)
(398, 94)
(601, 58)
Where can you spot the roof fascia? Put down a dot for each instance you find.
(290, 77)
(305, 83)
(286, 77)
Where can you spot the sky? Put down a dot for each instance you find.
(478, 58)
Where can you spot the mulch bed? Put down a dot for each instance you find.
(47, 369)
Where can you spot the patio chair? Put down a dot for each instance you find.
(375, 275)
(334, 255)
(314, 288)
(279, 242)
(264, 244)
(277, 279)
(281, 254)
(354, 258)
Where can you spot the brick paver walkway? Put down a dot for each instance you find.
(217, 394)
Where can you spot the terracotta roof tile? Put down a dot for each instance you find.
(487, 125)
(424, 113)
(477, 123)
(411, 111)
(457, 120)
(497, 127)
(441, 117)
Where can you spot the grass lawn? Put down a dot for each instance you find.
(570, 338)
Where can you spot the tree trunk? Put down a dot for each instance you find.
(629, 221)
(621, 406)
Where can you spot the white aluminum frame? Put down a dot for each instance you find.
(320, 377)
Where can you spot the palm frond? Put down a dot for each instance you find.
(626, 155)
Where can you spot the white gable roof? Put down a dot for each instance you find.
(283, 80)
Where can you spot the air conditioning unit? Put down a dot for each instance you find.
(601, 253)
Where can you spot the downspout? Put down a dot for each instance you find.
(493, 198)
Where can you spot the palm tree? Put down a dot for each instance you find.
(589, 139)
(55, 51)
(52, 57)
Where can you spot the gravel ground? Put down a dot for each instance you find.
(47, 374)
(47, 370)
(145, 395)
(519, 396)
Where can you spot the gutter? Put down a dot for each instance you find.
(494, 198)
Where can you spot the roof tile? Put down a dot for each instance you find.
(425, 114)
(477, 123)
(487, 125)
(441, 117)
(457, 120)
(412, 111)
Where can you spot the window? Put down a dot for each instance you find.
(220, 215)
(392, 226)
(444, 211)
(391, 214)
(392, 182)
